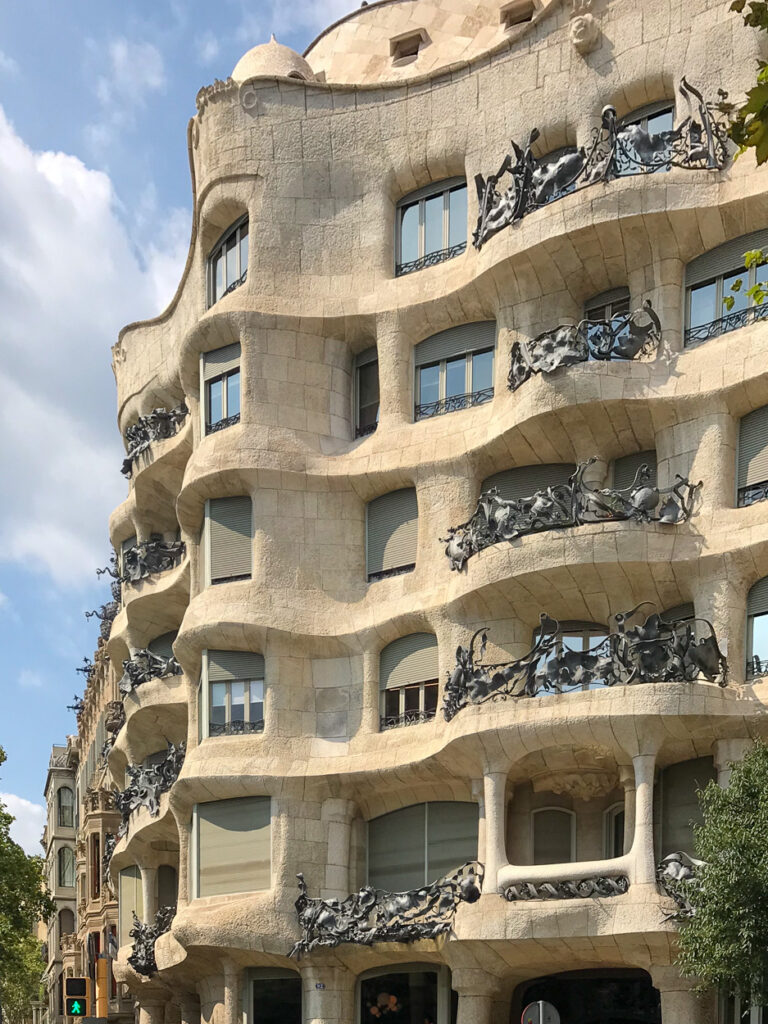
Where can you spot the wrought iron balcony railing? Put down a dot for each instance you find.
(406, 718)
(727, 323)
(365, 431)
(150, 558)
(156, 426)
(142, 958)
(230, 421)
(453, 404)
(148, 783)
(430, 260)
(144, 665)
(757, 668)
(752, 494)
(235, 728)
(385, 574)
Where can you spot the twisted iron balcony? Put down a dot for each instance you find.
(725, 324)
(453, 404)
(430, 260)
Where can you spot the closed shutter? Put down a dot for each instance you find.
(552, 836)
(613, 296)
(724, 259)
(225, 666)
(410, 659)
(451, 837)
(392, 530)
(131, 898)
(680, 613)
(679, 804)
(221, 360)
(167, 886)
(396, 849)
(757, 602)
(524, 481)
(625, 469)
(230, 538)
(455, 342)
(234, 846)
(753, 448)
(370, 355)
(162, 645)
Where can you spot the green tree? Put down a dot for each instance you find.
(749, 127)
(24, 900)
(725, 942)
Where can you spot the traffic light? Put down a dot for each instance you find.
(76, 992)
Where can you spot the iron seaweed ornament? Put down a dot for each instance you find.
(678, 876)
(574, 503)
(144, 936)
(156, 426)
(654, 652)
(375, 915)
(624, 336)
(578, 889)
(616, 150)
(144, 665)
(148, 783)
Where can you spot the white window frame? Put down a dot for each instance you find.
(442, 378)
(420, 198)
(358, 369)
(206, 384)
(610, 814)
(749, 279)
(443, 985)
(210, 266)
(563, 810)
(204, 700)
(400, 690)
(607, 309)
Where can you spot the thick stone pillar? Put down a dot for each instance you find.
(726, 753)
(151, 1013)
(483, 997)
(149, 885)
(644, 861)
(627, 779)
(329, 995)
(232, 993)
(495, 800)
(679, 1003)
(395, 373)
(477, 793)
(338, 815)
(722, 600)
(184, 894)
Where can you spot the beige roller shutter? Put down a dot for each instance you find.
(452, 829)
(131, 898)
(225, 666)
(552, 836)
(625, 468)
(392, 523)
(680, 807)
(524, 481)
(397, 849)
(230, 538)
(234, 846)
(162, 645)
(757, 602)
(753, 448)
(221, 360)
(455, 342)
(724, 259)
(409, 659)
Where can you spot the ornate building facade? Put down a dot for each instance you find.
(444, 560)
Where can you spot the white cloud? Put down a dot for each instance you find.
(30, 680)
(27, 829)
(70, 278)
(3, 600)
(208, 48)
(309, 16)
(8, 66)
(135, 70)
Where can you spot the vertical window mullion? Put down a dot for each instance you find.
(446, 218)
(719, 298)
(426, 843)
(468, 387)
(228, 703)
(422, 226)
(442, 375)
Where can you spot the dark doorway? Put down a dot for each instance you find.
(277, 1001)
(594, 997)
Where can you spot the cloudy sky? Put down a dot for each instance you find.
(94, 225)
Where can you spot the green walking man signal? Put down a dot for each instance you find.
(76, 997)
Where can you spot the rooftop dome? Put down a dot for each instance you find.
(272, 59)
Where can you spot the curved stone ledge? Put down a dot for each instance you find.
(154, 712)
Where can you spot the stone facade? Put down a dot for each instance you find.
(318, 160)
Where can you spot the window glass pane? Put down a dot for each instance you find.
(433, 224)
(451, 837)
(457, 213)
(456, 377)
(396, 849)
(412, 697)
(231, 247)
(740, 299)
(482, 370)
(238, 701)
(218, 703)
(761, 274)
(409, 233)
(215, 407)
(552, 837)
(429, 384)
(257, 701)
(277, 1001)
(703, 304)
(368, 395)
(664, 121)
(402, 997)
(244, 248)
(218, 276)
(233, 394)
(617, 834)
(167, 886)
(760, 637)
(430, 697)
(391, 703)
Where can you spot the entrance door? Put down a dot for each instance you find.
(277, 1001)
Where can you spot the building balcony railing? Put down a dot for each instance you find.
(229, 421)
(156, 426)
(386, 574)
(406, 718)
(757, 668)
(150, 558)
(453, 404)
(430, 260)
(752, 493)
(144, 665)
(148, 783)
(142, 958)
(725, 324)
(235, 728)
(365, 431)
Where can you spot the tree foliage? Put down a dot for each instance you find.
(725, 943)
(749, 128)
(24, 900)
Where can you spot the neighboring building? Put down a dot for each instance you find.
(385, 313)
(59, 846)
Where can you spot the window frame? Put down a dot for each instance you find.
(607, 304)
(468, 394)
(572, 817)
(226, 420)
(574, 628)
(60, 858)
(610, 814)
(419, 198)
(750, 279)
(204, 704)
(60, 807)
(253, 975)
(209, 581)
(361, 431)
(420, 715)
(443, 985)
(220, 248)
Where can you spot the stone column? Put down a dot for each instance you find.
(679, 1003)
(480, 996)
(662, 283)
(395, 372)
(627, 779)
(477, 793)
(338, 815)
(644, 861)
(149, 886)
(329, 995)
(232, 994)
(184, 893)
(151, 1013)
(495, 800)
(723, 602)
(726, 752)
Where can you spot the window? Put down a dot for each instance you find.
(752, 472)
(407, 993)
(679, 614)
(233, 846)
(235, 681)
(228, 261)
(431, 226)
(366, 392)
(517, 13)
(525, 481)
(408, 680)
(708, 281)
(405, 48)
(632, 156)
(626, 468)
(604, 307)
(167, 886)
(577, 636)
(392, 523)
(66, 858)
(554, 835)
(757, 630)
(454, 369)
(66, 922)
(162, 645)
(65, 805)
(276, 997)
(680, 808)
(130, 901)
(230, 539)
(95, 866)
(420, 844)
(613, 826)
(221, 386)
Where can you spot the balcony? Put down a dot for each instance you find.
(725, 324)
(144, 665)
(453, 403)
(158, 425)
(431, 259)
(148, 783)
(150, 558)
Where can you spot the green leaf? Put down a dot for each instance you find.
(728, 301)
(754, 258)
(738, 5)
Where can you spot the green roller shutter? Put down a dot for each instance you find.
(753, 448)
(131, 899)
(625, 469)
(221, 360)
(409, 659)
(524, 481)
(451, 836)
(757, 602)
(225, 666)
(167, 886)
(163, 645)
(230, 538)
(392, 531)
(679, 803)
(455, 342)
(724, 259)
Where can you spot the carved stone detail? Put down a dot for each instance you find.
(110, 842)
(156, 426)
(654, 652)
(144, 936)
(147, 785)
(584, 29)
(579, 889)
(375, 915)
(580, 785)
(144, 665)
(573, 504)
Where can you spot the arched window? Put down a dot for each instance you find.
(708, 280)
(554, 835)
(65, 804)
(228, 261)
(409, 993)
(233, 842)
(66, 922)
(431, 225)
(66, 857)
(757, 630)
(408, 680)
(454, 369)
(636, 130)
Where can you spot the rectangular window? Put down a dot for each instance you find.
(457, 383)
(230, 539)
(233, 846)
(709, 280)
(228, 261)
(95, 866)
(235, 693)
(752, 470)
(631, 155)
(367, 392)
(431, 226)
(221, 385)
(277, 1000)
(392, 525)
(130, 900)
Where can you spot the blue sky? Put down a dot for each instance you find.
(94, 225)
